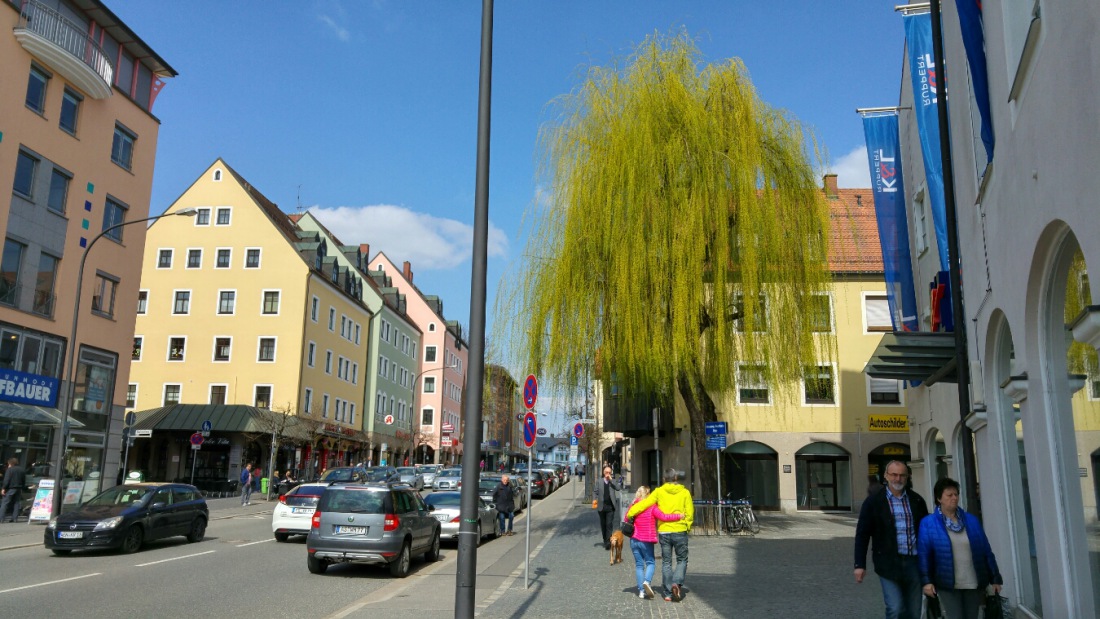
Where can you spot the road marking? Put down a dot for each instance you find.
(263, 541)
(52, 582)
(521, 568)
(197, 554)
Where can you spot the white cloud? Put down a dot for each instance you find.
(428, 242)
(852, 169)
(340, 31)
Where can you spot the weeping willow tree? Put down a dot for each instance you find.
(681, 234)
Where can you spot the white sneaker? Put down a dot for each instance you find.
(648, 591)
(641, 595)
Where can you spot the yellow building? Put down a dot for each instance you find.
(78, 141)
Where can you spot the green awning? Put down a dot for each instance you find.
(925, 357)
(222, 417)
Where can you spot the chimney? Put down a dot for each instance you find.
(364, 248)
(406, 270)
(830, 186)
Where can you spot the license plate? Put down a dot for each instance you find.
(301, 510)
(442, 517)
(351, 530)
(70, 534)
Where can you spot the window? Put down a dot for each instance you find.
(328, 362)
(171, 395)
(311, 356)
(314, 306)
(202, 218)
(921, 220)
(307, 401)
(351, 412)
(759, 312)
(25, 168)
(267, 349)
(223, 216)
(427, 417)
(343, 326)
(332, 319)
(70, 111)
(9, 272)
(223, 258)
(431, 327)
(138, 341)
(271, 302)
(818, 383)
(884, 391)
(194, 258)
(876, 313)
(355, 373)
(819, 313)
(164, 259)
(182, 303)
(43, 285)
(263, 396)
(752, 385)
(217, 394)
(177, 346)
(324, 406)
(223, 346)
(227, 302)
(356, 334)
(114, 214)
(429, 354)
(36, 90)
(103, 299)
(131, 395)
(143, 301)
(59, 191)
(122, 148)
(252, 258)
(429, 384)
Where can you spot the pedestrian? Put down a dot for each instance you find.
(15, 480)
(246, 485)
(504, 500)
(607, 506)
(671, 498)
(273, 485)
(482, 464)
(888, 521)
(955, 559)
(644, 539)
(580, 472)
(873, 485)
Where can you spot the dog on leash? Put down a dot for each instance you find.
(616, 547)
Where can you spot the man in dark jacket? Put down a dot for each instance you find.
(889, 521)
(15, 479)
(504, 500)
(607, 505)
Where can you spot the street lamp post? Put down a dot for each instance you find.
(71, 391)
(453, 366)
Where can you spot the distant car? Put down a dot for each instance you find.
(409, 475)
(383, 475)
(446, 510)
(125, 517)
(294, 512)
(551, 478)
(489, 482)
(377, 524)
(541, 484)
(344, 475)
(428, 472)
(448, 479)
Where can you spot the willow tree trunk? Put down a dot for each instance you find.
(700, 409)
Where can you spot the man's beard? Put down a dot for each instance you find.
(897, 486)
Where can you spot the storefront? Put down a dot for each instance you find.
(823, 477)
(751, 469)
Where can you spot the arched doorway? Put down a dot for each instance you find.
(823, 475)
(882, 455)
(752, 470)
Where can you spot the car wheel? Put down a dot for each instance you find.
(282, 537)
(131, 543)
(479, 533)
(61, 552)
(315, 565)
(496, 527)
(198, 530)
(399, 567)
(433, 555)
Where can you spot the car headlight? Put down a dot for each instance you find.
(52, 524)
(109, 523)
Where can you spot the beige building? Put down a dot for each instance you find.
(78, 142)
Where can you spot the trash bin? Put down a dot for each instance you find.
(263, 486)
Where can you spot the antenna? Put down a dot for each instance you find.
(299, 199)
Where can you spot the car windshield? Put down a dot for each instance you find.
(489, 484)
(122, 495)
(378, 475)
(451, 473)
(341, 474)
(406, 470)
(443, 499)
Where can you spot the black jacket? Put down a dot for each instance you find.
(15, 479)
(876, 526)
(504, 498)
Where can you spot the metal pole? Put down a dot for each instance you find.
(718, 465)
(194, 459)
(126, 456)
(656, 441)
(466, 576)
(527, 548)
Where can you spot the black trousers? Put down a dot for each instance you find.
(607, 525)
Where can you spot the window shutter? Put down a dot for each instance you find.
(878, 313)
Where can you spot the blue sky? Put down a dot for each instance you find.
(367, 110)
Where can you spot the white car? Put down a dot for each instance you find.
(294, 513)
(445, 507)
(428, 472)
(448, 479)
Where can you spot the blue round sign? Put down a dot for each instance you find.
(530, 429)
(578, 430)
(530, 391)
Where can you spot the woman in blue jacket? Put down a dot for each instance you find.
(954, 556)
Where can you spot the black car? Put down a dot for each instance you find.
(125, 517)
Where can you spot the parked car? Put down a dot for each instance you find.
(294, 513)
(541, 484)
(344, 474)
(409, 475)
(448, 479)
(446, 510)
(428, 472)
(383, 475)
(551, 477)
(125, 517)
(377, 524)
(489, 482)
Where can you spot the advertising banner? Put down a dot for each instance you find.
(973, 36)
(26, 388)
(888, 423)
(42, 507)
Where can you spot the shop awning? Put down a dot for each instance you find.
(925, 357)
(223, 418)
(13, 412)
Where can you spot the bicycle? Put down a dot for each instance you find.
(739, 515)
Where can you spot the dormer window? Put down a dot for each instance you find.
(217, 176)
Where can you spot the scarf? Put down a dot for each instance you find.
(957, 525)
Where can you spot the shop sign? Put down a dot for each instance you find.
(888, 423)
(28, 388)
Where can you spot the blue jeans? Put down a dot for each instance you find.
(674, 543)
(644, 564)
(510, 516)
(14, 498)
(246, 493)
(903, 596)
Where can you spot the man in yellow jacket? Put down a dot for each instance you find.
(671, 498)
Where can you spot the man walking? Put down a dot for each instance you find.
(889, 521)
(671, 498)
(246, 485)
(504, 500)
(607, 505)
(15, 479)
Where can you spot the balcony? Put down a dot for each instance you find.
(66, 48)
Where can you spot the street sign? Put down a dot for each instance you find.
(578, 430)
(388, 419)
(126, 432)
(445, 441)
(541, 432)
(131, 418)
(529, 429)
(207, 426)
(574, 441)
(519, 416)
(196, 440)
(195, 447)
(530, 391)
(714, 428)
(573, 452)
(448, 428)
(716, 442)
(143, 433)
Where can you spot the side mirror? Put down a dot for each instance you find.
(431, 508)
(158, 505)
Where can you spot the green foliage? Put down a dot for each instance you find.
(675, 198)
(1081, 358)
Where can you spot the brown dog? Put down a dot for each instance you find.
(616, 547)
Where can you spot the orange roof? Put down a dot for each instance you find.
(854, 245)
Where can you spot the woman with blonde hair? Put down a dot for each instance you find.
(644, 539)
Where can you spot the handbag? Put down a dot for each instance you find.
(595, 503)
(997, 607)
(930, 608)
(628, 527)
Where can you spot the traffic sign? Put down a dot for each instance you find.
(388, 419)
(529, 429)
(445, 441)
(143, 433)
(126, 432)
(573, 452)
(530, 391)
(574, 441)
(714, 428)
(207, 426)
(131, 418)
(716, 442)
(541, 432)
(196, 440)
(578, 430)
(448, 428)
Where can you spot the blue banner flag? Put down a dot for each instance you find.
(973, 36)
(893, 230)
(926, 82)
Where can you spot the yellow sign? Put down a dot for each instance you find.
(888, 423)
(894, 451)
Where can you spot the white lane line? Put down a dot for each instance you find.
(263, 541)
(52, 582)
(197, 554)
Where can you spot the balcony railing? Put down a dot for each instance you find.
(47, 25)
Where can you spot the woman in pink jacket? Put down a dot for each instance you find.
(645, 537)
